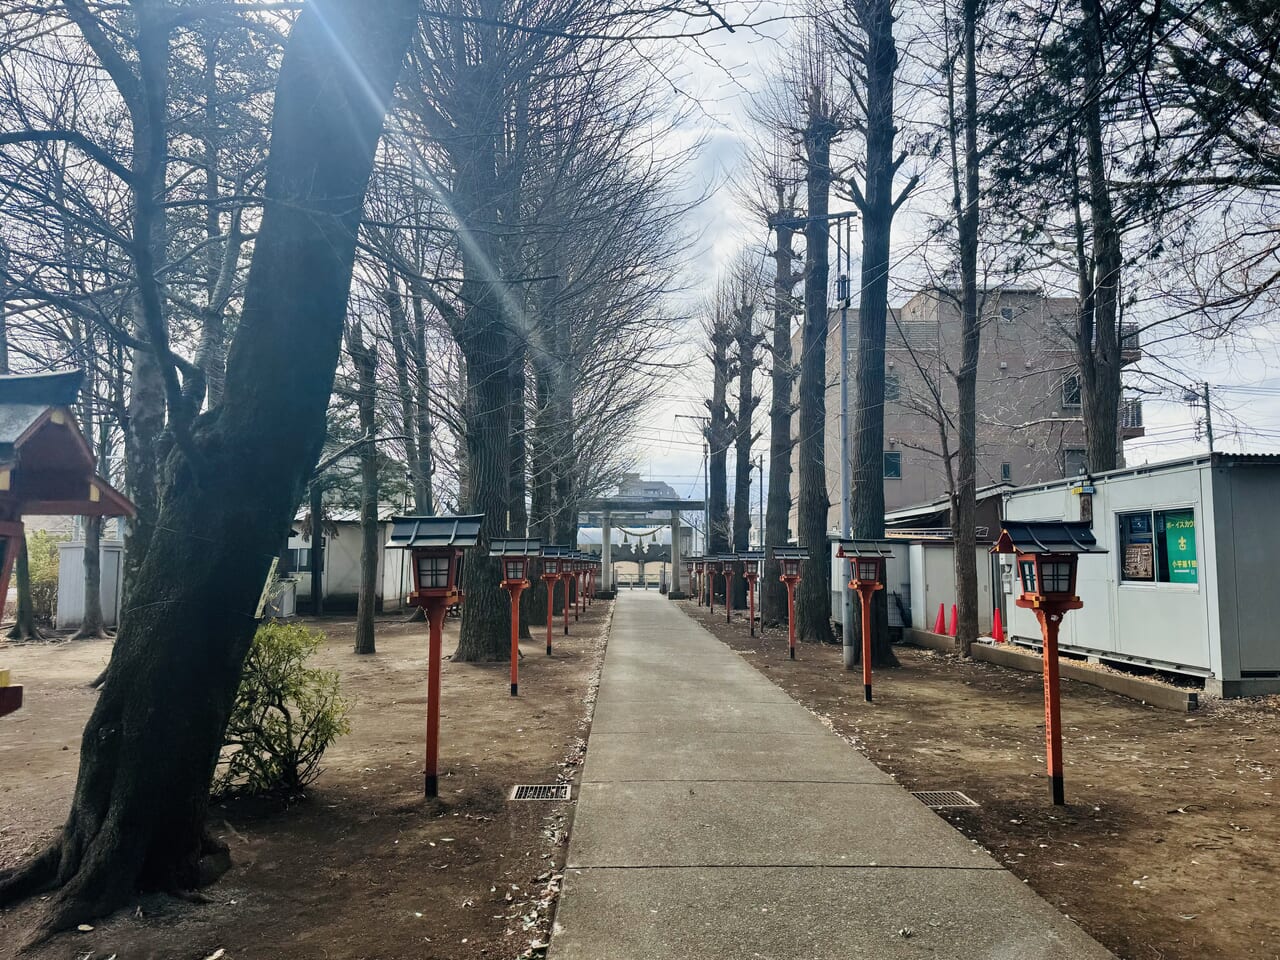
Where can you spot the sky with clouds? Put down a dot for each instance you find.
(715, 81)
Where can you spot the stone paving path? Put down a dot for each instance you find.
(718, 818)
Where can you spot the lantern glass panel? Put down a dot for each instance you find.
(515, 568)
(433, 572)
(791, 567)
(550, 566)
(868, 570)
(1027, 568)
(1055, 576)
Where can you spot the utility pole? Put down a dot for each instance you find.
(1208, 416)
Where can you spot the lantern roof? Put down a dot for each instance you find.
(442, 531)
(728, 558)
(751, 555)
(789, 553)
(515, 548)
(865, 548)
(1046, 536)
(557, 551)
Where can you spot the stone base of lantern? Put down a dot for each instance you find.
(677, 595)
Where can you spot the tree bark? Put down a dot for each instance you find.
(150, 746)
(365, 358)
(777, 521)
(877, 209)
(315, 493)
(747, 341)
(964, 496)
(24, 627)
(1098, 329)
(813, 600)
(719, 436)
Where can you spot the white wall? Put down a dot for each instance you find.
(1162, 623)
(341, 576)
(70, 610)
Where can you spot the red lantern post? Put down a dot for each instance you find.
(726, 564)
(437, 544)
(751, 573)
(514, 556)
(713, 567)
(1048, 554)
(789, 559)
(552, 558)
(866, 570)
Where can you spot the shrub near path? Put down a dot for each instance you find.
(1169, 846)
(363, 867)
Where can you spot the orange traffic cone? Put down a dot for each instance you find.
(952, 631)
(997, 628)
(940, 625)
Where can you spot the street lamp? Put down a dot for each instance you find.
(789, 560)
(751, 560)
(1048, 553)
(437, 544)
(515, 555)
(866, 571)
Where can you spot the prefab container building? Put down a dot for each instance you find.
(1190, 581)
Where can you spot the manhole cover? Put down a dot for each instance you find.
(940, 799)
(540, 791)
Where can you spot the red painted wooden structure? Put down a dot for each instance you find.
(437, 544)
(789, 561)
(866, 576)
(515, 556)
(1048, 553)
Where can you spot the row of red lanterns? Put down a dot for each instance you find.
(438, 545)
(1047, 561)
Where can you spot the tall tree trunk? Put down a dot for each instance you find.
(423, 482)
(315, 493)
(150, 746)
(877, 209)
(718, 436)
(747, 342)
(965, 202)
(93, 624)
(24, 627)
(813, 603)
(777, 522)
(1098, 327)
(400, 354)
(365, 359)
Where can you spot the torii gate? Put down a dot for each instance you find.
(609, 510)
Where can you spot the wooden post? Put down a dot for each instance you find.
(728, 596)
(436, 608)
(515, 590)
(566, 579)
(751, 604)
(1049, 623)
(866, 642)
(791, 616)
(551, 606)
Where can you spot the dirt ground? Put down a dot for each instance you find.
(364, 867)
(1169, 846)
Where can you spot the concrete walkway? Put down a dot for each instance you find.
(718, 818)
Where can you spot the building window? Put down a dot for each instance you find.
(1006, 473)
(1071, 391)
(892, 465)
(892, 388)
(1158, 546)
(1006, 314)
(300, 559)
(1074, 462)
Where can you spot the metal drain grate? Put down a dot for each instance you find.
(942, 799)
(540, 791)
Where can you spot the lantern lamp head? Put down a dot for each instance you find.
(1048, 556)
(751, 563)
(437, 544)
(514, 556)
(867, 560)
(789, 561)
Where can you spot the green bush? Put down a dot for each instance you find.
(285, 716)
(42, 557)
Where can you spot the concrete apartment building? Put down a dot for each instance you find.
(1029, 427)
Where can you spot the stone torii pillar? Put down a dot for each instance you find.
(606, 553)
(677, 565)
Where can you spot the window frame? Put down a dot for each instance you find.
(884, 464)
(895, 395)
(1161, 571)
(1067, 381)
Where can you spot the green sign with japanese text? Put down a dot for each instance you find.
(1180, 545)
